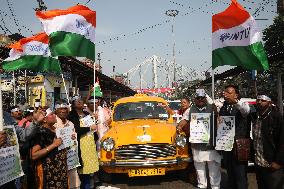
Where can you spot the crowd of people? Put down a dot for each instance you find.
(267, 152)
(46, 167)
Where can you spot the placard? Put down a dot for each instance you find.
(65, 134)
(200, 128)
(225, 133)
(10, 164)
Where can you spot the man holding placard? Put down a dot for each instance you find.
(202, 136)
(234, 108)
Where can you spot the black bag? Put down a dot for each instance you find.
(242, 148)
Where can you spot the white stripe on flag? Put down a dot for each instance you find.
(73, 23)
(242, 35)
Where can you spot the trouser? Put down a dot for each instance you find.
(214, 174)
(85, 181)
(268, 179)
(236, 171)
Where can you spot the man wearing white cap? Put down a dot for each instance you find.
(205, 153)
(268, 140)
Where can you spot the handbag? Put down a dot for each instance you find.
(242, 149)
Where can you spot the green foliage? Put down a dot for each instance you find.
(273, 36)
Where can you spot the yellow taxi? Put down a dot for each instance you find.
(142, 139)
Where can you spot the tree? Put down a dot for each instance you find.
(274, 46)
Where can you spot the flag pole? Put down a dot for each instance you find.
(1, 106)
(64, 84)
(213, 98)
(14, 87)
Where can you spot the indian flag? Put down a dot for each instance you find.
(31, 53)
(96, 90)
(236, 40)
(71, 32)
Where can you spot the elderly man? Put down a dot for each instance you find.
(204, 153)
(268, 140)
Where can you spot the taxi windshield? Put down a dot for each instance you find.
(140, 110)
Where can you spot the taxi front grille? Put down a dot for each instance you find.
(144, 151)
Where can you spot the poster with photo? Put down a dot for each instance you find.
(225, 133)
(10, 164)
(200, 128)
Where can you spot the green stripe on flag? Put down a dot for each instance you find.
(33, 62)
(70, 44)
(250, 57)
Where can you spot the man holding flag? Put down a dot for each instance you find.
(236, 41)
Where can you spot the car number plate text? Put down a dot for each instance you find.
(146, 172)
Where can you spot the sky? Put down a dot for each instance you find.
(128, 32)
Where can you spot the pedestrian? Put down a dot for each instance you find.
(16, 113)
(184, 112)
(268, 143)
(62, 111)
(234, 106)
(205, 153)
(50, 164)
(87, 153)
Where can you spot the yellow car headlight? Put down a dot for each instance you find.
(180, 141)
(108, 144)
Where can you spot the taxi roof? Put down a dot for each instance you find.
(139, 98)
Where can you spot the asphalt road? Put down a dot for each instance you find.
(170, 181)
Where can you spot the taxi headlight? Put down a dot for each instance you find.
(108, 144)
(180, 141)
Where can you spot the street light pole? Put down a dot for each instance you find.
(173, 14)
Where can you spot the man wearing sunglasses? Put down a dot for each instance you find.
(268, 140)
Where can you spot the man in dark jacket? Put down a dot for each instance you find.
(233, 106)
(268, 140)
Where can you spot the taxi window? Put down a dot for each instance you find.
(140, 110)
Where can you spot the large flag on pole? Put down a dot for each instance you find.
(71, 32)
(31, 53)
(236, 40)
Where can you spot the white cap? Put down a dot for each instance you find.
(75, 98)
(263, 97)
(16, 109)
(63, 105)
(200, 92)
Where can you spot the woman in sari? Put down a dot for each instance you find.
(50, 163)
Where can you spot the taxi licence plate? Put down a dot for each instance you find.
(146, 172)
